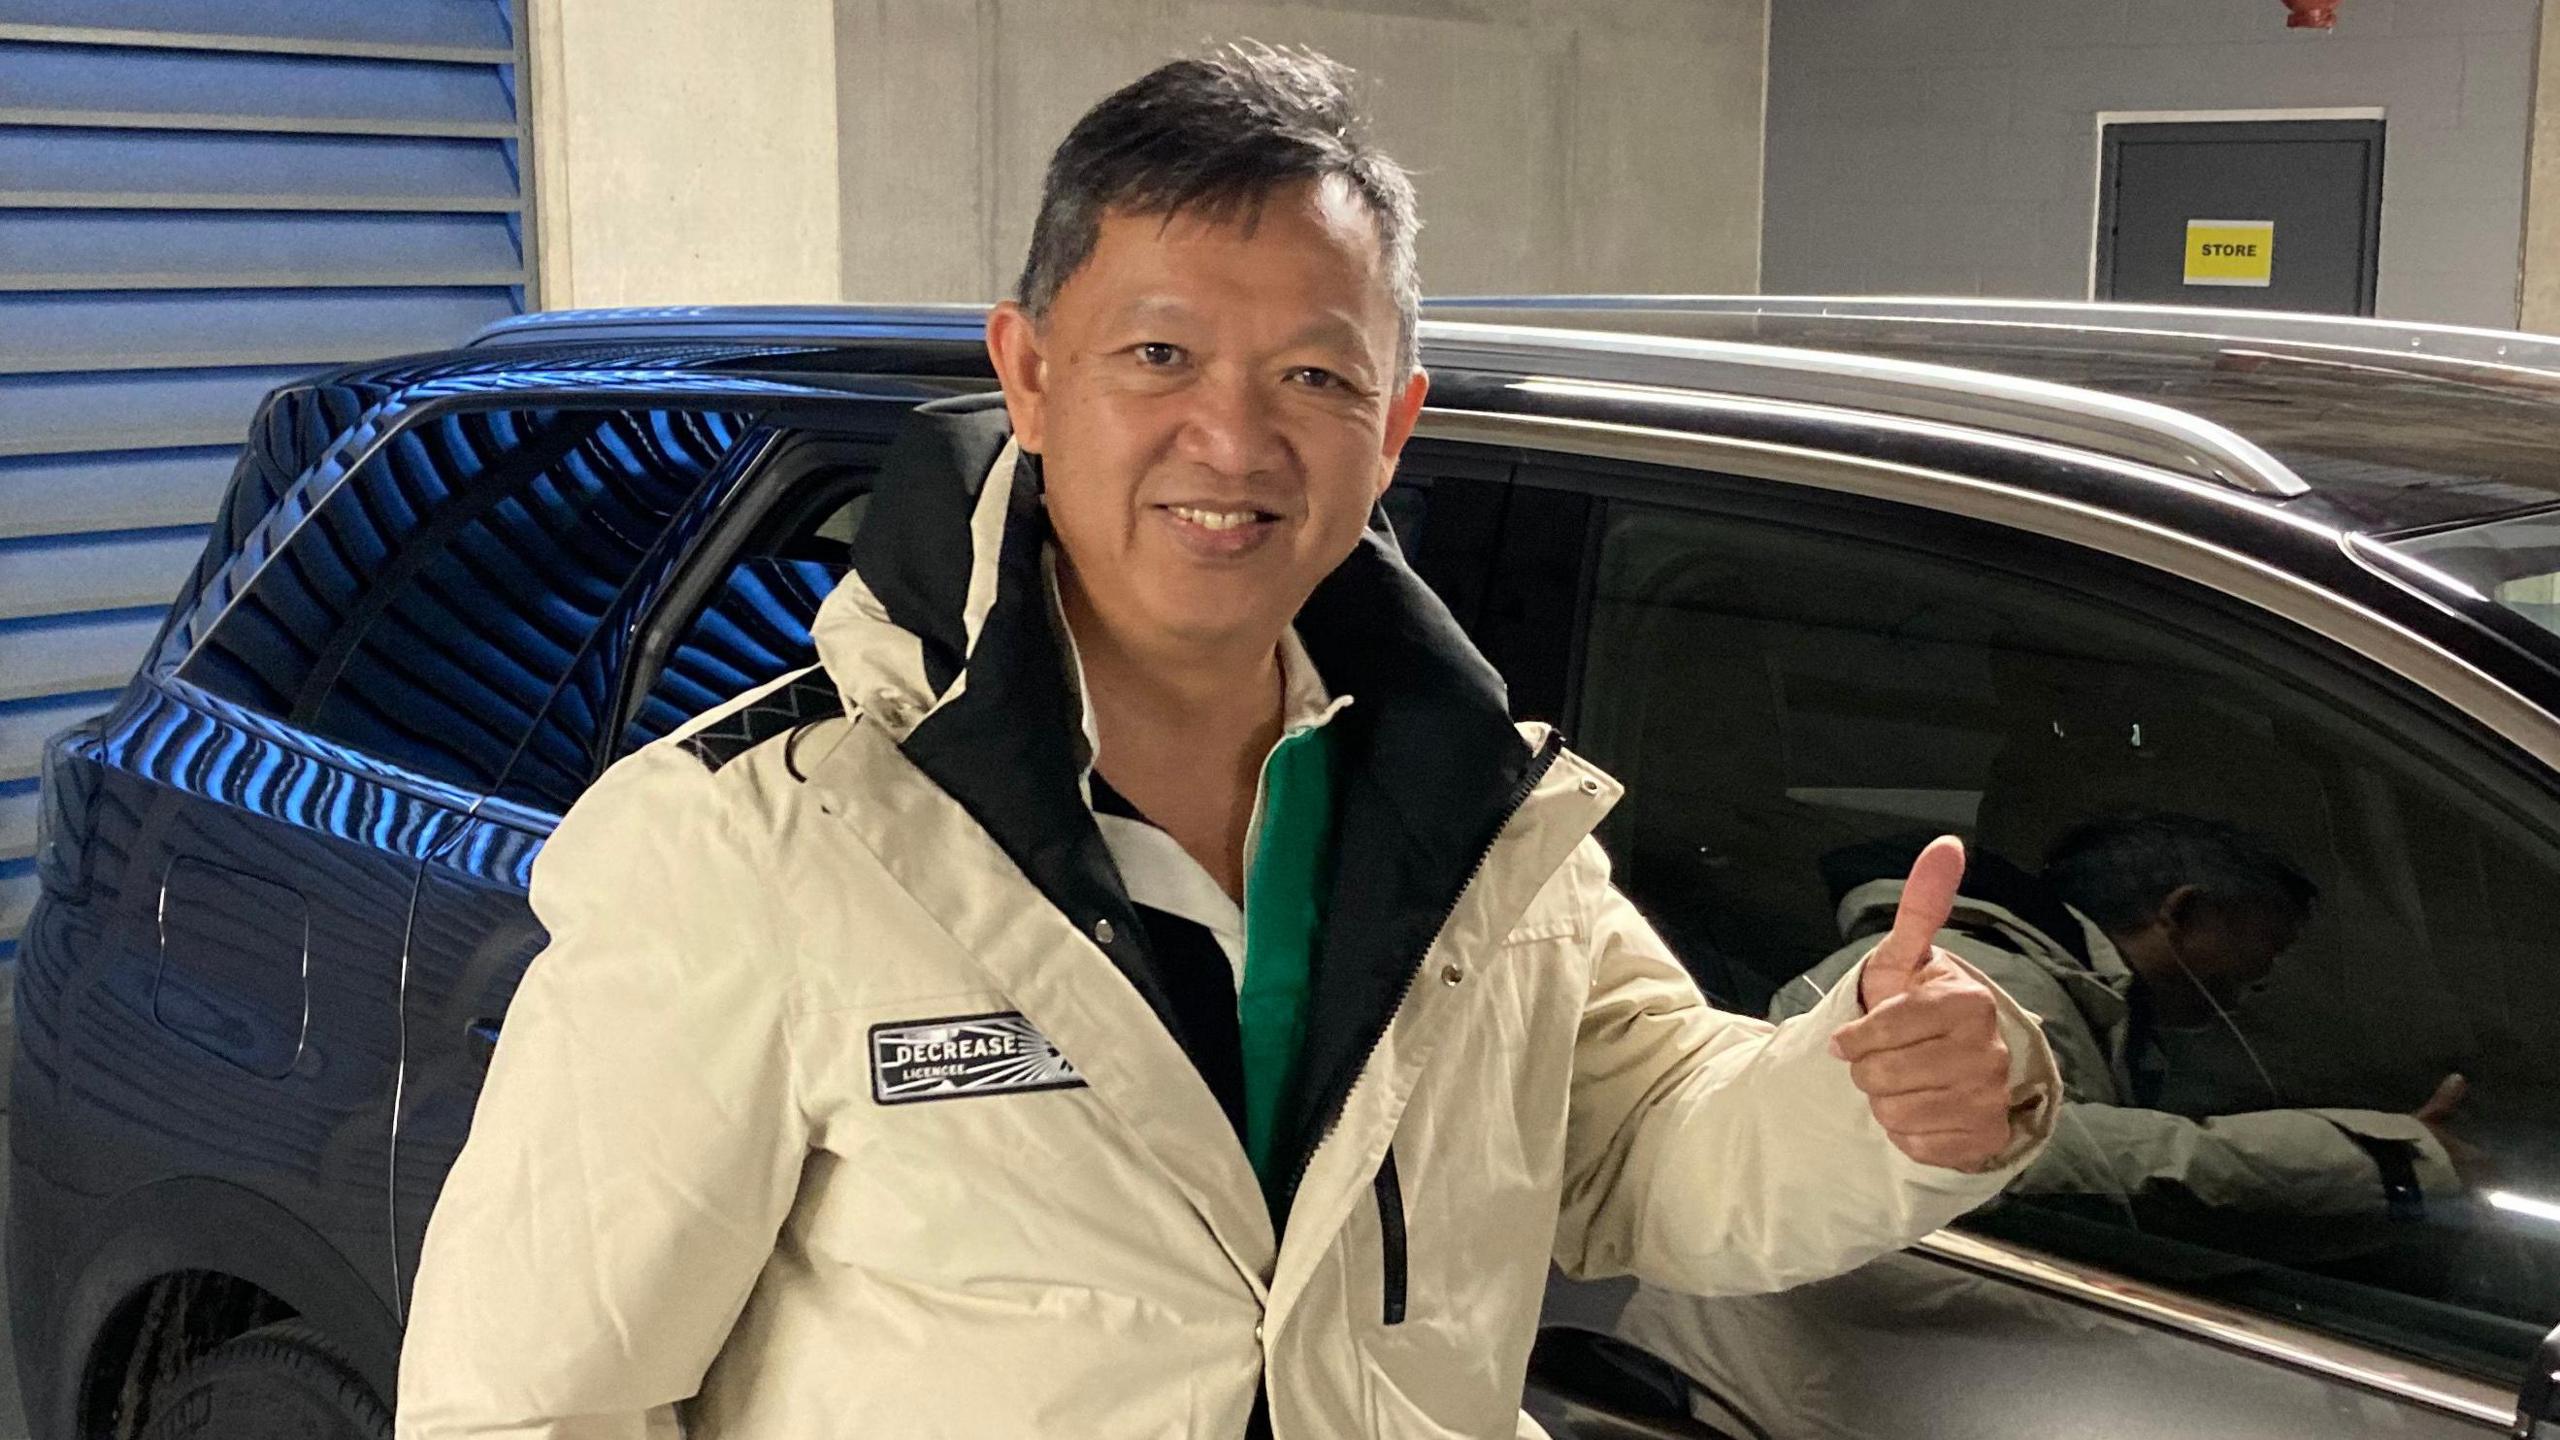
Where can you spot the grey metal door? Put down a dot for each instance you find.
(2273, 215)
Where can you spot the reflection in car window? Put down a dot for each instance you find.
(425, 614)
(2263, 934)
(755, 625)
(2515, 562)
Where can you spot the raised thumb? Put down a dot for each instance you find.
(1928, 898)
(2447, 1099)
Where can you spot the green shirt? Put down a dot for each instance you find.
(1284, 905)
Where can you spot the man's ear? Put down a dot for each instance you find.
(1013, 342)
(1402, 412)
(2181, 908)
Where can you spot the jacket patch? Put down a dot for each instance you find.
(950, 1059)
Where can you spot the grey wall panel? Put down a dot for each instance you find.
(74, 653)
(1951, 146)
(25, 724)
(441, 29)
(201, 200)
(59, 333)
(162, 250)
(17, 821)
(63, 166)
(17, 897)
(68, 574)
(119, 490)
(218, 90)
(131, 410)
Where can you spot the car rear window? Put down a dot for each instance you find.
(424, 614)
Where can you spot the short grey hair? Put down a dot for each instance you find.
(1215, 136)
(2118, 869)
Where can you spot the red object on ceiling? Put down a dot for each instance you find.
(2311, 14)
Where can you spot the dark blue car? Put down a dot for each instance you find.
(1809, 577)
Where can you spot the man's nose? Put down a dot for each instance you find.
(1230, 426)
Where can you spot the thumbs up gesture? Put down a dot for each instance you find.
(1928, 1052)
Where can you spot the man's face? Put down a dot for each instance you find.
(2230, 949)
(1216, 410)
(2224, 950)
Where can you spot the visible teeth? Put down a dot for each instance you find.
(1214, 519)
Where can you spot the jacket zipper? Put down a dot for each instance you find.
(1539, 765)
(1391, 1240)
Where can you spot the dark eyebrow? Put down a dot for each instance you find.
(1152, 307)
(1331, 329)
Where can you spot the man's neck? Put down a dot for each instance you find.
(1222, 688)
(1183, 730)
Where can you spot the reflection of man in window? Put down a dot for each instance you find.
(2140, 928)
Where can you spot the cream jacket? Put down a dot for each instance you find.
(712, 1190)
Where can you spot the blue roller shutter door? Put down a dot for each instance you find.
(199, 200)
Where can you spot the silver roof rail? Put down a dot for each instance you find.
(2405, 339)
(2068, 415)
(1664, 366)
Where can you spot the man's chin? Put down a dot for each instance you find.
(1210, 617)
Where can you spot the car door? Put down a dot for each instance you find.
(1786, 675)
(487, 642)
(711, 596)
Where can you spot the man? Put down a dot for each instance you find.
(1141, 983)
(2145, 929)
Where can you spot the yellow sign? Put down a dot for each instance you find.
(2231, 252)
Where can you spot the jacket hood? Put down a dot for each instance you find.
(946, 634)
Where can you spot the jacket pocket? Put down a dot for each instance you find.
(1391, 1240)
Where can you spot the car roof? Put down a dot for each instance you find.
(2382, 427)
(2392, 425)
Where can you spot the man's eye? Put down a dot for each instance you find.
(1157, 353)
(1315, 378)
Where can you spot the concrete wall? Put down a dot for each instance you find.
(684, 153)
(1949, 146)
(2541, 281)
(892, 149)
(1556, 144)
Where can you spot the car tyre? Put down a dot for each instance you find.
(278, 1382)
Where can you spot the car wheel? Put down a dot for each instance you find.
(278, 1382)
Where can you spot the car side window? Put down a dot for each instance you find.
(751, 619)
(1505, 557)
(2287, 929)
(425, 613)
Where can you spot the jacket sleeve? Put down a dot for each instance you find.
(2293, 1162)
(636, 1146)
(2290, 1162)
(1715, 1153)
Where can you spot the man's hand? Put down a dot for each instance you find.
(1928, 1052)
(2469, 1161)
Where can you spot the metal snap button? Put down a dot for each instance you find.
(1102, 932)
(1451, 975)
(1590, 786)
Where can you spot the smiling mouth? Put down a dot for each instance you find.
(1208, 519)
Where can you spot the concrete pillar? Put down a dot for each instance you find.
(2540, 283)
(685, 151)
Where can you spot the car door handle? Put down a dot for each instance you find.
(481, 1037)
